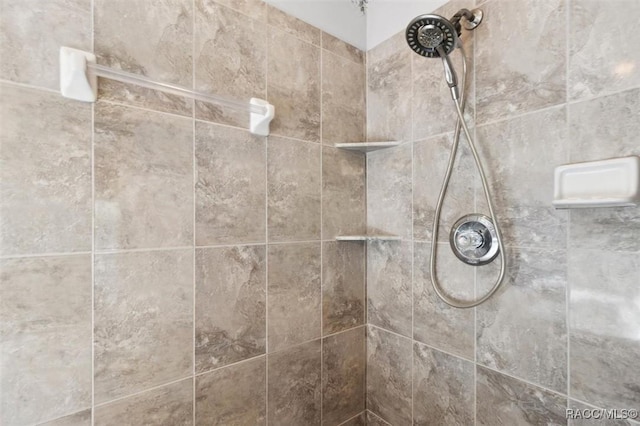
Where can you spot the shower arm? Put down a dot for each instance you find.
(461, 125)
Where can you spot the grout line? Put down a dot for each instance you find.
(153, 388)
(93, 261)
(321, 83)
(28, 256)
(138, 250)
(194, 171)
(28, 86)
(412, 248)
(568, 223)
(233, 364)
(266, 236)
(352, 418)
(475, 207)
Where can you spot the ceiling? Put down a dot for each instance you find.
(343, 19)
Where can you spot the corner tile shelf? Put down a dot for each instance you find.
(367, 146)
(380, 237)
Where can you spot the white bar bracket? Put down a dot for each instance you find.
(75, 82)
(259, 123)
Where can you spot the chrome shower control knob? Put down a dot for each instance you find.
(473, 239)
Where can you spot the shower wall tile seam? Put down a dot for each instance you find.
(28, 86)
(194, 170)
(321, 141)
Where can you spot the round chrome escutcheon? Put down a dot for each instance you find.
(473, 239)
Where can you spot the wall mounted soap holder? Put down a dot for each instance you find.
(605, 183)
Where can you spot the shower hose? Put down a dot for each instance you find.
(462, 125)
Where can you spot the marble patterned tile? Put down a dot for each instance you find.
(343, 193)
(255, 9)
(532, 70)
(503, 400)
(604, 346)
(230, 305)
(389, 376)
(45, 328)
(143, 179)
(295, 385)
(436, 323)
(230, 187)
(293, 26)
(342, 48)
(602, 58)
(443, 388)
(373, 420)
(149, 38)
(293, 86)
(431, 157)
(433, 109)
(30, 52)
(389, 194)
(389, 285)
(343, 375)
(293, 189)
(389, 91)
(81, 418)
(343, 100)
(293, 294)
(168, 405)
(343, 285)
(143, 316)
(359, 420)
(519, 157)
(227, 62)
(590, 416)
(233, 395)
(594, 137)
(537, 279)
(45, 173)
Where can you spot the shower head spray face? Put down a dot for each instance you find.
(429, 35)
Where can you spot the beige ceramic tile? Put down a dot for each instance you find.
(82, 418)
(294, 384)
(430, 158)
(45, 327)
(389, 194)
(435, 323)
(150, 38)
(233, 395)
(293, 176)
(389, 376)
(143, 179)
(389, 91)
(227, 62)
(389, 292)
(343, 376)
(293, 86)
(342, 48)
(343, 193)
(45, 173)
(519, 157)
(517, 74)
(255, 9)
(230, 187)
(502, 400)
(603, 57)
(230, 305)
(294, 311)
(168, 405)
(537, 279)
(143, 321)
(343, 286)
(31, 33)
(343, 100)
(292, 25)
(604, 348)
(443, 388)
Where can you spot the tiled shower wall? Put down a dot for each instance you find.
(161, 265)
(551, 82)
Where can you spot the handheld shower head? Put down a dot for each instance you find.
(434, 36)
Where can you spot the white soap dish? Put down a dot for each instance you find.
(605, 183)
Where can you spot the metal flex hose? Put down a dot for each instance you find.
(461, 125)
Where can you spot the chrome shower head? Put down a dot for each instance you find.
(428, 32)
